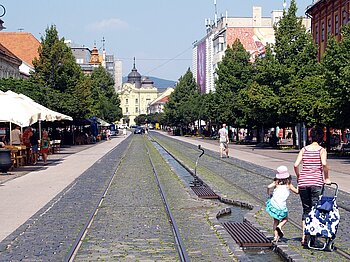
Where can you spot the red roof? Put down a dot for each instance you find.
(21, 44)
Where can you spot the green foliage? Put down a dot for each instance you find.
(183, 107)
(234, 74)
(141, 119)
(56, 67)
(259, 104)
(106, 102)
(337, 77)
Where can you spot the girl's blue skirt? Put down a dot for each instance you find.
(275, 212)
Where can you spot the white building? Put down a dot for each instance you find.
(254, 33)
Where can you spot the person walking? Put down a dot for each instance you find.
(34, 141)
(313, 175)
(276, 205)
(224, 140)
(124, 131)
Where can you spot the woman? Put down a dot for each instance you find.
(313, 175)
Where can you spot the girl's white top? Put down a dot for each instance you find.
(280, 196)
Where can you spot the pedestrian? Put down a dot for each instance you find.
(27, 134)
(34, 142)
(108, 134)
(313, 175)
(276, 205)
(224, 140)
(16, 136)
(45, 146)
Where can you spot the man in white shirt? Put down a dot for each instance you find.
(223, 141)
(16, 136)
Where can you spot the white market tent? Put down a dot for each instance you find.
(46, 114)
(23, 111)
(17, 111)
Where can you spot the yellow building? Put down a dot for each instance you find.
(135, 96)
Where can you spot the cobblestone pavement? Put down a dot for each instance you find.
(133, 226)
(222, 175)
(49, 234)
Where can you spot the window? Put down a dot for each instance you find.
(329, 27)
(136, 101)
(136, 109)
(126, 101)
(336, 24)
(322, 32)
(127, 110)
(344, 18)
(316, 34)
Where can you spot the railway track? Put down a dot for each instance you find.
(243, 188)
(179, 244)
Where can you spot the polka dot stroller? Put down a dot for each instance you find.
(323, 221)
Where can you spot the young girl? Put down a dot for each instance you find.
(44, 147)
(276, 206)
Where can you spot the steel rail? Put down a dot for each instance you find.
(180, 246)
(338, 250)
(82, 233)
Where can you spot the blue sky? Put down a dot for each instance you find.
(159, 33)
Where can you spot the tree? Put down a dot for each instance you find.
(297, 56)
(56, 67)
(182, 107)
(233, 74)
(105, 100)
(337, 78)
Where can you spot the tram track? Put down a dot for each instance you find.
(342, 252)
(84, 232)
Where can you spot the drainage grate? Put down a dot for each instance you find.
(204, 191)
(246, 235)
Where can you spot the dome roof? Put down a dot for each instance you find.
(134, 76)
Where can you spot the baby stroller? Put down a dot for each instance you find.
(323, 221)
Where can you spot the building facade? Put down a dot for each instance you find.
(24, 46)
(135, 96)
(327, 18)
(157, 105)
(9, 64)
(254, 33)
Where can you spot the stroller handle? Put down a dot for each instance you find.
(333, 183)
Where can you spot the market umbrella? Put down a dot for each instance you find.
(17, 111)
(46, 114)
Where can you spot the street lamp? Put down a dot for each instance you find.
(2, 13)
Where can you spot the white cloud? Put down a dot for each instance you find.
(108, 24)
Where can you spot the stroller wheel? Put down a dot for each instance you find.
(330, 245)
(311, 241)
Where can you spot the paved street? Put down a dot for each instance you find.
(45, 198)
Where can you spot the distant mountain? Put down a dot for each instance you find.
(160, 83)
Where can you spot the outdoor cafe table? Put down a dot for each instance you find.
(18, 154)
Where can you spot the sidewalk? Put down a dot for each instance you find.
(34, 186)
(339, 167)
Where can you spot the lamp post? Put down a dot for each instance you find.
(2, 13)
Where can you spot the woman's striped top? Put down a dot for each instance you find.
(312, 171)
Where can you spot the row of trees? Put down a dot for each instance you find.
(59, 83)
(284, 87)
